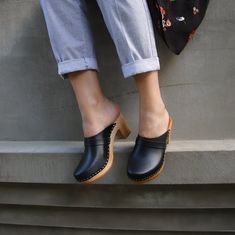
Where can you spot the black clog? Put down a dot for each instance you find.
(147, 158)
(98, 155)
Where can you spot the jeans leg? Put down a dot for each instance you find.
(70, 35)
(130, 26)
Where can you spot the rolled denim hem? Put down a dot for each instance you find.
(140, 66)
(68, 66)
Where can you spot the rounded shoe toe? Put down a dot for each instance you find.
(144, 162)
(147, 157)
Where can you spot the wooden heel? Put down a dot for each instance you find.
(169, 130)
(123, 131)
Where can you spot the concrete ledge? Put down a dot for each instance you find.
(47, 230)
(77, 146)
(53, 162)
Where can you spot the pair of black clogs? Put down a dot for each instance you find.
(145, 162)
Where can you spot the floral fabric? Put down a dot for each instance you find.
(177, 20)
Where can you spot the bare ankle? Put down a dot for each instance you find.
(100, 117)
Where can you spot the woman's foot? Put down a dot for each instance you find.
(153, 123)
(103, 114)
(148, 156)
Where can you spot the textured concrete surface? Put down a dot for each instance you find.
(36, 104)
(119, 147)
(54, 163)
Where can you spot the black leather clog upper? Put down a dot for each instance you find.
(147, 156)
(96, 154)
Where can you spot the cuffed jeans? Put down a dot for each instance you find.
(128, 22)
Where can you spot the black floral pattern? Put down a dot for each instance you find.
(177, 20)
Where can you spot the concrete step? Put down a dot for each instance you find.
(195, 194)
(53, 162)
(120, 209)
(127, 219)
(39, 230)
(162, 197)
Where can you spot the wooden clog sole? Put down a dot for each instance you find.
(120, 130)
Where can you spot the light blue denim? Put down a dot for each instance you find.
(128, 22)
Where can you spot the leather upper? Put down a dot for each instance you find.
(96, 154)
(147, 156)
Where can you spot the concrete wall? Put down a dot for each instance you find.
(36, 104)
